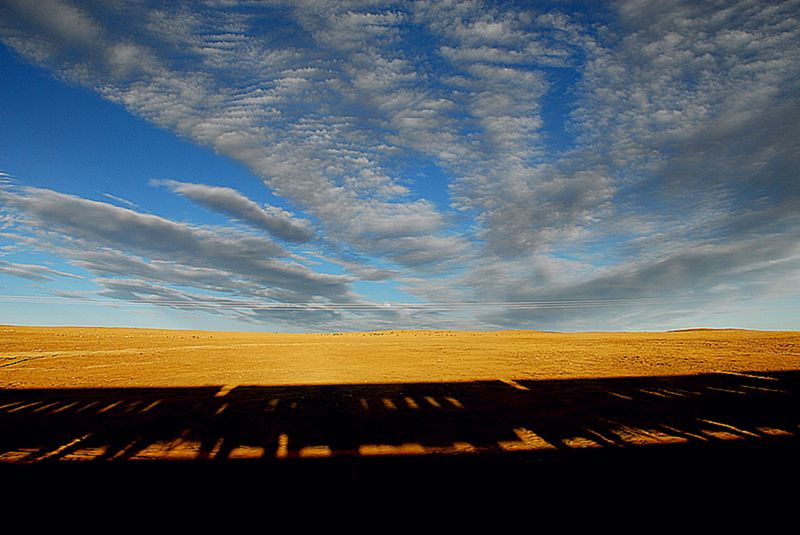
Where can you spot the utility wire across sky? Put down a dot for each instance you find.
(280, 306)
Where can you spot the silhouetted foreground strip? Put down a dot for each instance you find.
(737, 426)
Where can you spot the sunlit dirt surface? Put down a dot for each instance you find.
(34, 357)
(367, 414)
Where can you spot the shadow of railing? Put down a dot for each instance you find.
(656, 444)
(271, 424)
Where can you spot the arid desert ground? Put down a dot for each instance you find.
(64, 357)
(646, 418)
(369, 409)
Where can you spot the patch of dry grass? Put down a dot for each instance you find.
(76, 357)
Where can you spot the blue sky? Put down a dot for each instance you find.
(358, 165)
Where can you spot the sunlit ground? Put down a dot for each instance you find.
(75, 394)
(32, 357)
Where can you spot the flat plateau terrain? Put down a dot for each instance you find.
(77, 357)
(684, 414)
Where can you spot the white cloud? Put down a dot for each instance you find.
(359, 269)
(65, 23)
(273, 219)
(79, 225)
(32, 272)
(120, 200)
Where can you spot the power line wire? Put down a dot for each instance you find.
(222, 303)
